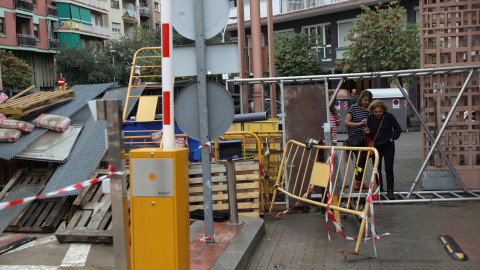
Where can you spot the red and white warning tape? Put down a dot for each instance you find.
(205, 145)
(206, 238)
(5, 205)
(371, 197)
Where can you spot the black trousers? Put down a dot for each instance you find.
(386, 153)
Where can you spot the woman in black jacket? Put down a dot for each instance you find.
(389, 131)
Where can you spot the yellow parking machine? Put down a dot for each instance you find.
(159, 208)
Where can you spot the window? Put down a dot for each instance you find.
(114, 4)
(324, 30)
(157, 7)
(116, 27)
(35, 31)
(2, 28)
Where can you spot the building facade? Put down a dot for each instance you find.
(27, 29)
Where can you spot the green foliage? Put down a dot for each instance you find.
(294, 56)
(381, 41)
(16, 73)
(86, 65)
(125, 48)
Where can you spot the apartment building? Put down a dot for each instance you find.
(27, 29)
(332, 19)
(150, 13)
(81, 21)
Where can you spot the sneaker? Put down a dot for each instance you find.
(357, 186)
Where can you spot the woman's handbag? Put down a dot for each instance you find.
(369, 154)
(356, 140)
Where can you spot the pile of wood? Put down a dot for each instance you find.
(248, 187)
(20, 106)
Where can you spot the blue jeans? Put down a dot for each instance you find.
(335, 166)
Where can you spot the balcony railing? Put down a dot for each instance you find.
(293, 5)
(101, 30)
(26, 5)
(95, 3)
(26, 40)
(53, 44)
(145, 12)
(51, 11)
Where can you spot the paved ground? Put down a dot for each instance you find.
(299, 240)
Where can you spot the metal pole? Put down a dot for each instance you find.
(203, 118)
(450, 113)
(243, 62)
(110, 111)
(256, 56)
(232, 192)
(440, 150)
(284, 127)
(271, 59)
(167, 75)
(340, 83)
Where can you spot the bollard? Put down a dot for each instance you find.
(232, 192)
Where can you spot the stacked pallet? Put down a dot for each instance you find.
(92, 220)
(248, 187)
(40, 216)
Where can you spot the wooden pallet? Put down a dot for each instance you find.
(248, 187)
(24, 105)
(41, 216)
(92, 221)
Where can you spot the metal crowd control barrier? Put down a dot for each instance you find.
(300, 168)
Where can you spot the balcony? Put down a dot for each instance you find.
(95, 3)
(53, 44)
(51, 11)
(26, 40)
(294, 5)
(144, 12)
(26, 5)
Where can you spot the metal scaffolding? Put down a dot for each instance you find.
(393, 75)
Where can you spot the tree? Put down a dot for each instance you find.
(295, 56)
(381, 41)
(86, 65)
(16, 73)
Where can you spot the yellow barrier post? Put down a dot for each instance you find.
(159, 208)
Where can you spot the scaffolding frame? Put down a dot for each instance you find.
(394, 75)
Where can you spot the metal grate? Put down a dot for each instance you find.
(83, 94)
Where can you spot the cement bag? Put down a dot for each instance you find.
(157, 137)
(20, 125)
(2, 116)
(3, 98)
(9, 135)
(53, 122)
(181, 143)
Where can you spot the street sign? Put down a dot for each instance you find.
(220, 110)
(215, 17)
(61, 81)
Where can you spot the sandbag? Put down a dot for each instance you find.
(181, 143)
(3, 98)
(52, 122)
(15, 124)
(2, 116)
(157, 137)
(9, 135)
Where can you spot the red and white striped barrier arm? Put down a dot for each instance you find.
(5, 205)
